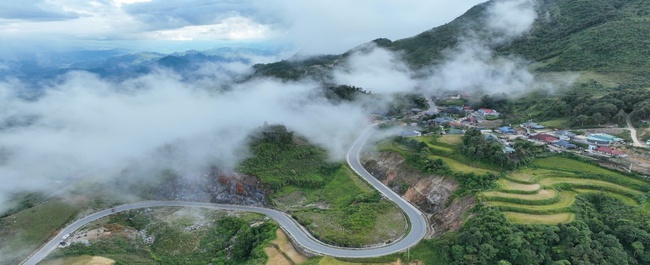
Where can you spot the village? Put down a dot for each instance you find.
(594, 143)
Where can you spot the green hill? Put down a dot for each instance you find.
(610, 37)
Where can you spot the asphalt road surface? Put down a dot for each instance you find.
(418, 224)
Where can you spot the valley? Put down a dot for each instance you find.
(516, 133)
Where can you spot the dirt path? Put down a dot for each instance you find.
(633, 132)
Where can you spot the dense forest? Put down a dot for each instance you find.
(607, 232)
(585, 105)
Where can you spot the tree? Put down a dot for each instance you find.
(581, 119)
(620, 117)
(598, 118)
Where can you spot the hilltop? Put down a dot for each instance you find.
(610, 37)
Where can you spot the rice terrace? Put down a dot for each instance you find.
(543, 192)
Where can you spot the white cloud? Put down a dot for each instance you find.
(97, 127)
(119, 3)
(473, 67)
(378, 70)
(511, 18)
(315, 26)
(233, 28)
(334, 26)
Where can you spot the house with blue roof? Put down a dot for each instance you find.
(565, 144)
(603, 139)
(410, 133)
(442, 120)
(507, 129)
(533, 125)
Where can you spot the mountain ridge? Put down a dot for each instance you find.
(611, 37)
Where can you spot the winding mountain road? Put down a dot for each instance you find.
(417, 222)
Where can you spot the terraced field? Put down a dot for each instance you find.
(460, 167)
(430, 144)
(566, 200)
(539, 195)
(545, 193)
(546, 219)
(516, 187)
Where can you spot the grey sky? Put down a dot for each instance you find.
(314, 26)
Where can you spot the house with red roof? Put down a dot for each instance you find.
(542, 137)
(489, 114)
(484, 111)
(610, 151)
(455, 124)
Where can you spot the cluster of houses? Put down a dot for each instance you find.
(598, 143)
(565, 140)
(456, 119)
(466, 117)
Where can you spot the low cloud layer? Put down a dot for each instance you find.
(377, 69)
(90, 127)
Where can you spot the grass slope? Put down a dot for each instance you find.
(24, 231)
(327, 197)
(181, 236)
(546, 219)
(567, 198)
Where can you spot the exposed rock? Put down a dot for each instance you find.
(217, 187)
(429, 192)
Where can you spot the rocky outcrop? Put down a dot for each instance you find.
(431, 193)
(215, 186)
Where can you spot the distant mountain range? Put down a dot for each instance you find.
(119, 64)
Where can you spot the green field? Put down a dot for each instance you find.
(526, 195)
(548, 182)
(451, 139)
(557, 123)
(506, 185)
(567, 198)
(532, 175)
(433, 144)
(571, 165)
(460, 167)
(540, 195)
(623, 198)
(24, 231)
(547, 219)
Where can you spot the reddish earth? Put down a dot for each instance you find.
(431, 193)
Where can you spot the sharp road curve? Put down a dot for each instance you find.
(418, 224)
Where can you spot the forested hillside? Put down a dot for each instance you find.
(611, 37)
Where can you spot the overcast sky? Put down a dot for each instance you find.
(310, 26)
